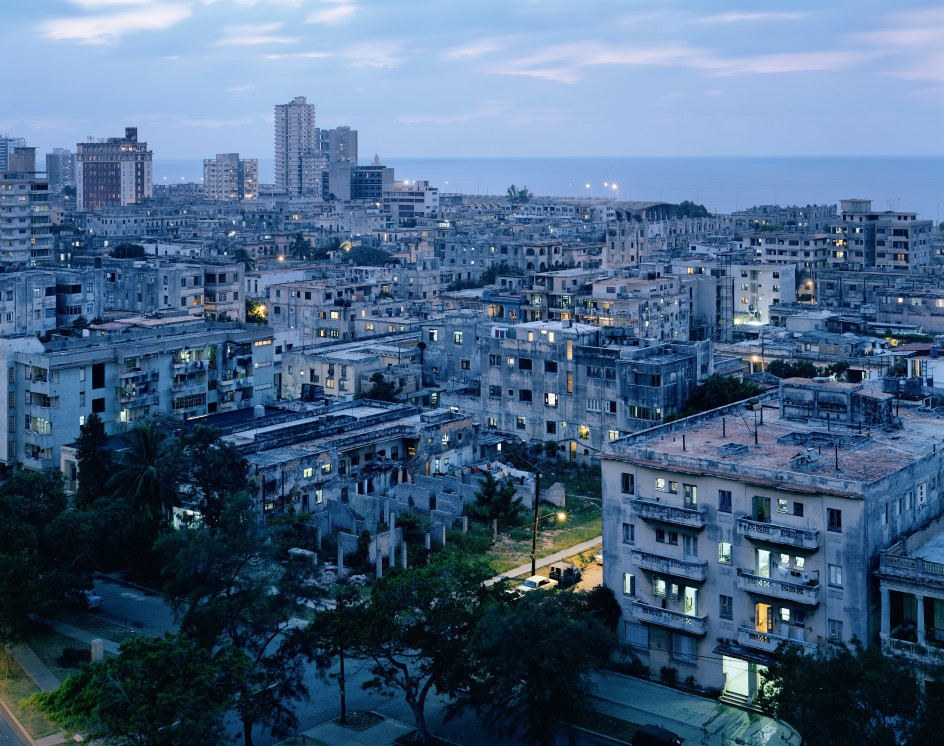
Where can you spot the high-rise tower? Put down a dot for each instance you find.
(116, 171)
(299, 163)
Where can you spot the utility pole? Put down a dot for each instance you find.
(534, 532)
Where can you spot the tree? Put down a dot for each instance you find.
(129, 251)
(530, 661)
(415, 629)
(137, 477)
(496, 500)
(841, 696)
(688, 209)
(519, 196)
(205, 470)
(156, 692)
(94, 459)
(233, 592)
(256, 311)
(381, 390)
(718, 391)
(248, 261)
(795, 369)
(365, 256)
(301, 247)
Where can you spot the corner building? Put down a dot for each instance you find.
(723, 539)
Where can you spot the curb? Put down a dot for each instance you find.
(19, 726)
(128, 583)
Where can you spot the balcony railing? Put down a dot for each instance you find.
(775, 533)
(244, 382)
(657, 511)
(191, 366)
(913, 651)
(189, 387)
(138, 376)
(804, 593)
(752, 638)
(648, 614)
(689, 569)
(142, 400)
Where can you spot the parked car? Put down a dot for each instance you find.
(653, 735)
(537, 582)
(87, 597)
(598, 558)
(565, 574)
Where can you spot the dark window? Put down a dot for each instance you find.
(524, 395)
(628, 483)
(727, 607)
(550, 366)
(798, 509)
(524, 363)
(98, 406)
(98, 377)
(724, 501)
(833, 519)
(629, 533)
(660, 536)
(673, 537)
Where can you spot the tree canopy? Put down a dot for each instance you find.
(718, 391)
(496, 500)
(519, 196)
(688, 209)
(129, 251)
(381, 389)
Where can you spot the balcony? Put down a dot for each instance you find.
(189, 387)
(674, 620)
(927, 655)
(226, 384)
(142, 400)
(688, 569)
(651, 510)
(134, 377)
(804, 593)
(43, 440)
(191, 366)
(774, 533)
(769, 642)
(244, 383)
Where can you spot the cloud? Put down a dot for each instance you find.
(337, 11)
(298, 56)
(239, 90)
(751, 17)
(375, 54)
(912, 39)
(248, 35)
(109, 28)
(183, 121)
(250, 3)
(96, 4)
(473, 50)
(508, 114)
(788, 62)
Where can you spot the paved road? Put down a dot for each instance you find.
(137, 608)
(9, 733)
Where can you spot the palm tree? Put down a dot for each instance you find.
(137, 477)
(246, 258)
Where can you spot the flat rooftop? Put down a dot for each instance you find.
(788, 452)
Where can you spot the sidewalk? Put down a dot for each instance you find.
(549, 560)
(697, 720)
(45, 679)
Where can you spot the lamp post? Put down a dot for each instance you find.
(560, 515)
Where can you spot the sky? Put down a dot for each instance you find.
(487, 78)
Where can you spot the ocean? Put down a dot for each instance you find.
(722, 184)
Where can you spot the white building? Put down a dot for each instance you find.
(299, 163)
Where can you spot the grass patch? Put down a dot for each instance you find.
(14, 691)
(361, 720)
(407, 739)
(50, 646)
(98, 626)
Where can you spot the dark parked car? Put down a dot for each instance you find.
(653, 735)
(565, 574)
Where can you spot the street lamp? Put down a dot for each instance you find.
(559, 515)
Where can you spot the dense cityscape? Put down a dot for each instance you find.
(566, 376)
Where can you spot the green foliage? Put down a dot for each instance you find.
(365, 256)
(531, 661)
(842, 696)
(94, 460)
(247, 260)
(496, 500)
(415, 628)
(519, 196)
(717, 391)
(257, 312)
(795, 369)
(137, 478)
(233, 591)
(688, 209)
(381, 390)
(129, 251)
(157, 692)
(601, 603)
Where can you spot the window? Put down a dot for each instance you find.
(550, 366)
(465, 365)
(494, 360)
(551, 427)
(98, 376)
(684, 649)
(724, 553)
(629, 584)
(326, 468)
(660, 535)
(833, 519)
(629, 533)
(690, 546)
(835, 575)
(524, 395)
(308, 473)
(726, 604)
(524, 363)
(781, 506)
(724, 501)
(673, 538)
(673, 487)
(690, 495)
(922, 492)
(660, 484)
(834, 630)
(98, 406)
(494, 391)
(457, 338)
(521, 423)
(798, 509)
(658, 587)
(628, 483)
(909, 500)
(583, 432)
(637, 635)
(550, 399)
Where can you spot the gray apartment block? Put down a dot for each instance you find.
(729, 533)
(124, 372)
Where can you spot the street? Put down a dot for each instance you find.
(141, 610)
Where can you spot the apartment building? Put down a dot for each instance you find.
(229, 177)
(648, 306)
(729, 533)
(889, 240)
(60, 169)
(27, 303)
(808, 251)
(299, 163)
(223, 296)
(112, 171)
(408, 200)
(25, 225)
(150, 287)
(125, 371)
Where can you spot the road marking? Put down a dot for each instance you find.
(134, 596)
